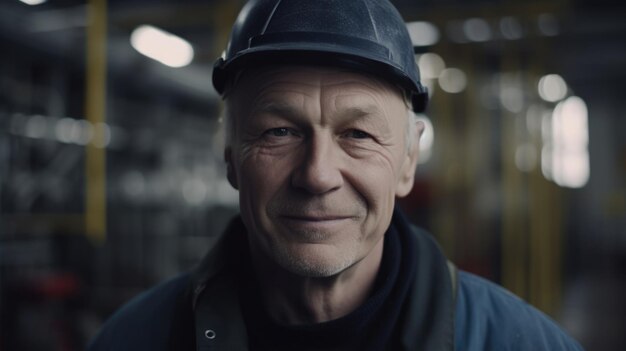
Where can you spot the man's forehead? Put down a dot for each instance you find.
(257, 80)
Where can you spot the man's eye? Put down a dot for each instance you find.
(278, 132)
(358, 134)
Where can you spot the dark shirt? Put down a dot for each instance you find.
(369, 327)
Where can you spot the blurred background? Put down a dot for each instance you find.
(111, 173)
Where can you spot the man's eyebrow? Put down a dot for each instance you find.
(371, 115)
(361, 111)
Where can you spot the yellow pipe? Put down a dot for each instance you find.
(95, 157)
(514, 233)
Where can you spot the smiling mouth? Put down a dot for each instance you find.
(322, 218)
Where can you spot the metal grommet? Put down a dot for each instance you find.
(209, 334)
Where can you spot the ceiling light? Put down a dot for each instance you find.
(423, 33)
(33, 2)
(452, 80)
(162, 46)
(552, 88)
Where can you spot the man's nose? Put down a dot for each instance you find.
(319, 170)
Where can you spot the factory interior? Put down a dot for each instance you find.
(112, 176)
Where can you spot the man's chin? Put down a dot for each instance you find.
(313, 262)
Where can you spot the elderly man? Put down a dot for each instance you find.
(321, 139)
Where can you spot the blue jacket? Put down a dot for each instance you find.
(173, 315)
(487, 318)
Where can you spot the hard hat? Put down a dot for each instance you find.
(364, 35)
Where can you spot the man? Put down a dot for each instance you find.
(321, 139)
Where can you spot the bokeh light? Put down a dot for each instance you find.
(162, 46)
(423, 33)
(552, 88)
(452, 80)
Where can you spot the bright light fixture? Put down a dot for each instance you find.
(423, 33)
(570, 138)
(33, 2)
(552, 88)
(430, 65)
(452, 80)
(162, 46)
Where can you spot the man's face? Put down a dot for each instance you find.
(318, 156)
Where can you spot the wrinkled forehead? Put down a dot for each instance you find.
(249, 83)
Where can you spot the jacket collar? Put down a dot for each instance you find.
(429, 314)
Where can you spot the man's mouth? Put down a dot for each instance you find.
(315, 218)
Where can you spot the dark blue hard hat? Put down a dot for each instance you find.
(364, 35)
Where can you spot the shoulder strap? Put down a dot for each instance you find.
(218, 319)
(182, 330)
(217, 316)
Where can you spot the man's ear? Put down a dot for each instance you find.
(409, 165)
(231, 175)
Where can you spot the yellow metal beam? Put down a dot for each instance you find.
(95, 156)
(514, 247)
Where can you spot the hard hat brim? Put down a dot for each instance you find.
(320, 49)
